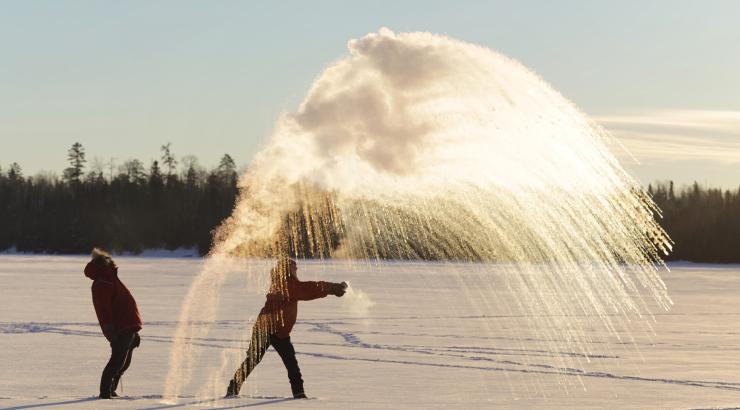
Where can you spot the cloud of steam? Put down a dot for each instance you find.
(387, 112)
(357, 302)
(363, 108)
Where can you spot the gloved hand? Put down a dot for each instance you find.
(338, 289)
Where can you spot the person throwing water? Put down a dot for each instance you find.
(276, 320)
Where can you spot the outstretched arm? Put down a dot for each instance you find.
(311, 290)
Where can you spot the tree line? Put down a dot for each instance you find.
(177, 203)
(171, 204)
(703, 222)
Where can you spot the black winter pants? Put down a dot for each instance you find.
(122, 349)
(257, 348)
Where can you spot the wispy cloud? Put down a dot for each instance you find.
(678, 135)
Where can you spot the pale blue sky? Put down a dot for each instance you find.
(123, 78)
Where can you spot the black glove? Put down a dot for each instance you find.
(338, 289)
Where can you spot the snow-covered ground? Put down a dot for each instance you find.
(413, 336)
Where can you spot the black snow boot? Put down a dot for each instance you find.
(299, 395)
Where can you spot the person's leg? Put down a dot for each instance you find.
(119, 349)
(286, 351)
(117, 377)
(129, 355)
(257, 347)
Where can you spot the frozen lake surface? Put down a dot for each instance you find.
(434, 337)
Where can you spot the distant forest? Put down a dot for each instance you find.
(172, 203)
(177, 203)
(703, 222)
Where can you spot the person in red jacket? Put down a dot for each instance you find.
(118, 316)
(276, 320)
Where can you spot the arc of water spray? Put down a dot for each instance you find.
(418, 146)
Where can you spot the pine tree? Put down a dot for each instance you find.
(15, 173)
(76, 158)
(227, 170)
(168, 159)
(192, 170)
(155, 175)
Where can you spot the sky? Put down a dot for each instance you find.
(125, 77)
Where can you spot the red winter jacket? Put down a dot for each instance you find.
(281, 310)
(114, 305)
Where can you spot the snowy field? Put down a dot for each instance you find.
(423, 337)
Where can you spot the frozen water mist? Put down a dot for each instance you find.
(418, 146)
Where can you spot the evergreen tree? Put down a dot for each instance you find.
(155, 175)
(15, 173)
(168, 159)
(76, 158)
(192, 171)
(227, 170)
